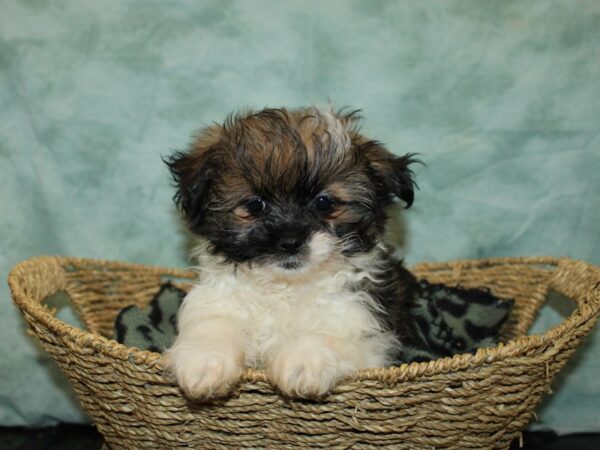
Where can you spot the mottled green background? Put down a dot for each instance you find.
(502, 100)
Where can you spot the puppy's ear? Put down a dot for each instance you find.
(393, 174)
(192, 172)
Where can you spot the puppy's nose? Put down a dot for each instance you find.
(290, 243)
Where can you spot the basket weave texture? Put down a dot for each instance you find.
(467, 401)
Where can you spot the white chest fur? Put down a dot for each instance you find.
(307, 331)
(274, 311)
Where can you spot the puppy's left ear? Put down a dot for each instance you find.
(192, 175)
(392, 173)
(192, 172)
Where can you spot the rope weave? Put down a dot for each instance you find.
(468, 401)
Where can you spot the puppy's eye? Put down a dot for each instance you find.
(251, 208)
(256, 206)
(324, 204)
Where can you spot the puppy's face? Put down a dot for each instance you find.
(288, 189)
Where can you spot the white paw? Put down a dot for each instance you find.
(306, 369)
(204, 374)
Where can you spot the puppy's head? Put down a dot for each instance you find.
(288, 188)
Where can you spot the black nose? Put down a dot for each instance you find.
(290, 243)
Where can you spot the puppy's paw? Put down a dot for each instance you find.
(306, 369)
(203, 375)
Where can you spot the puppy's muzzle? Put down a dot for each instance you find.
(291, 241)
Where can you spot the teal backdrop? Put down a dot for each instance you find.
(501, 99)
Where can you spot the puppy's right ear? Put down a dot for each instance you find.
(192, 172)
(394, 176)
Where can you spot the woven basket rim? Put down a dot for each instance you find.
(587, 309)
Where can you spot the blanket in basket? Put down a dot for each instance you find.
(446, 321)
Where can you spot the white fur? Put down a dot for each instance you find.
(306, 327)
(336, 133)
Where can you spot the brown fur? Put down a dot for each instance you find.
(289, 157)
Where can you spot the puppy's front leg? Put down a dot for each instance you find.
(207, 357)
(309, 366)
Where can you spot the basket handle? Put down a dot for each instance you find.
(32, 280)
(578, 281)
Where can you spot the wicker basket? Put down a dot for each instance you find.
(468, 401)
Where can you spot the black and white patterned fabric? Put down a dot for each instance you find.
(154, 327)
(452, 320)
(444, 321)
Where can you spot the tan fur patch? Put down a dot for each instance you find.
(279, 149)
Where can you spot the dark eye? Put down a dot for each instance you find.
(324, 203)
(256, 206)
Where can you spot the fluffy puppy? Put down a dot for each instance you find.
(289, 208)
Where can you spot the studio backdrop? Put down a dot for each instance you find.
(500, 99)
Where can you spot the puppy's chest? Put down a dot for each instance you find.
(303, 308)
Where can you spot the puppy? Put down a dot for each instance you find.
(289, 207)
